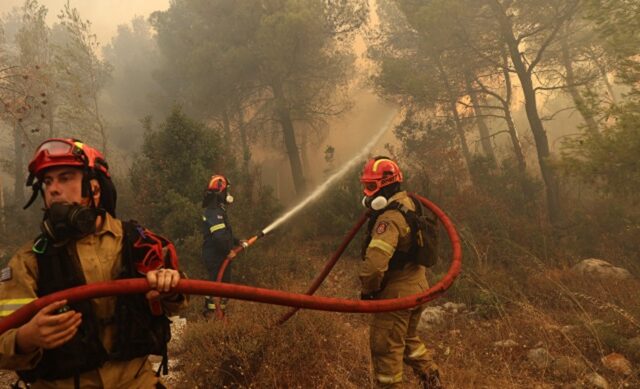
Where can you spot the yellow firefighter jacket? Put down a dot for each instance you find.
(100, 256)
(391, 232)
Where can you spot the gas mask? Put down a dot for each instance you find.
(63, 221)
(375, 203)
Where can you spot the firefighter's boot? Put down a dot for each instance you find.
(209, 311)
(431, 380)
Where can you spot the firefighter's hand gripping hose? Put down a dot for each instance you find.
(241, 292)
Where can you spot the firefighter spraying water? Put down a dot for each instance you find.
(313, 196)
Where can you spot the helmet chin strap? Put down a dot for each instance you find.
(376, 203)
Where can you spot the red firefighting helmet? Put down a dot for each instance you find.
(66, 152)
(218, 184)
(72, 152)
(379, 172)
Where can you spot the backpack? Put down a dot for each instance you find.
(424, 232)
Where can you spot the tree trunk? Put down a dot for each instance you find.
(289, 136)
(246, 158)
(226, 127)
(244, 141)
(537, 128)
(100, 124)
(483, 130)
(462, 137)
(604, 75)
(3, 226)
(457, 124)
(304, 153)
(513, 134)
(50, 111)
(581, 105)
(18, 172)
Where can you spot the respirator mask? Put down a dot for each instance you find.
(64, 221)
(375, 203)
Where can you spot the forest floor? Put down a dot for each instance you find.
(531, 326)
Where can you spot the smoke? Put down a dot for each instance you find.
(336, 176)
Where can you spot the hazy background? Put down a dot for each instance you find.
(105, 15)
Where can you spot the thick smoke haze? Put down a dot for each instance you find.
(105, 15)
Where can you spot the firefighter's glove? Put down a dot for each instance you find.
(368, 296)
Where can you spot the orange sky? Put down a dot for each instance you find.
(105, 15)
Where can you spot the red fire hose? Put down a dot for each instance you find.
(241, 292)
(331, 263)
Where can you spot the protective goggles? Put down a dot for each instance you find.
(372, 187)
(60, 147)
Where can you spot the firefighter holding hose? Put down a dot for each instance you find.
(104, 342)
(401, 241)
(218, 240)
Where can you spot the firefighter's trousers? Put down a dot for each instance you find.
(394, 340)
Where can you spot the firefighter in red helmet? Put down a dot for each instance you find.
(218, 239)
(391, 268)
(93, 343)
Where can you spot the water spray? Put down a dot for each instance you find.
(334, 177)
(313, 196)
(316, 193)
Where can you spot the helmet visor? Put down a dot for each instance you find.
(55, 148)
(370, 187)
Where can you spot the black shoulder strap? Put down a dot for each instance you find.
(130, 229)
(404, 210)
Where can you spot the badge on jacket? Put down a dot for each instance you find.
(381, 227)
(6, 274)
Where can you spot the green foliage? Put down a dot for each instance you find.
(430, 156)
(170, 175)
(609, 161)
(277, 63)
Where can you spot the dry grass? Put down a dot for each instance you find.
(247, 350)
(533, 305)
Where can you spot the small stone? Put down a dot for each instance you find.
(566, 330)
(539, 357)
(431, 316)
(567, 367)
(505, 343)
(633, 345)
(453, 307)
(597, 268)
(597, 381)
(617, 362)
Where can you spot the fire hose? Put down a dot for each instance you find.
(262, 295)
(319, 279)
(453, 272)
